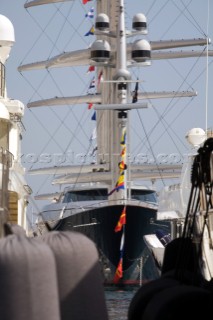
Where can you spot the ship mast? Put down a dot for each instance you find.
(112, 114)
(121, 89)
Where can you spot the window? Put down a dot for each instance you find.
(86, 195)
(144, 195)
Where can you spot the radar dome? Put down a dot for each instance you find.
(196, 136)
(100, 51)
(141, 51)
(102, 22)
(7, 38)
(139, 22)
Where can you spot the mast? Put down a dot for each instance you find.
(111, 124)
(113, 113)
(121, 89)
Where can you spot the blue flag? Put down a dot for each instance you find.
(93, 116)
(91, 31)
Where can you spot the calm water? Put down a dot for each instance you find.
(118, 303)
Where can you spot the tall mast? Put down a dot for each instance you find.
(113, 113)
(121, 89)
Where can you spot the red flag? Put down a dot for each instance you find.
(121, 221)
(85, 1)
(90, 105)
(90, 69)
(119, 271)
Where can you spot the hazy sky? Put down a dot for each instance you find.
(38, 29)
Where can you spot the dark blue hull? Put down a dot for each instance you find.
(99, 224)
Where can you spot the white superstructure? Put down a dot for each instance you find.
(13, 187)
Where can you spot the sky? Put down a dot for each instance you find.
(38, 33)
